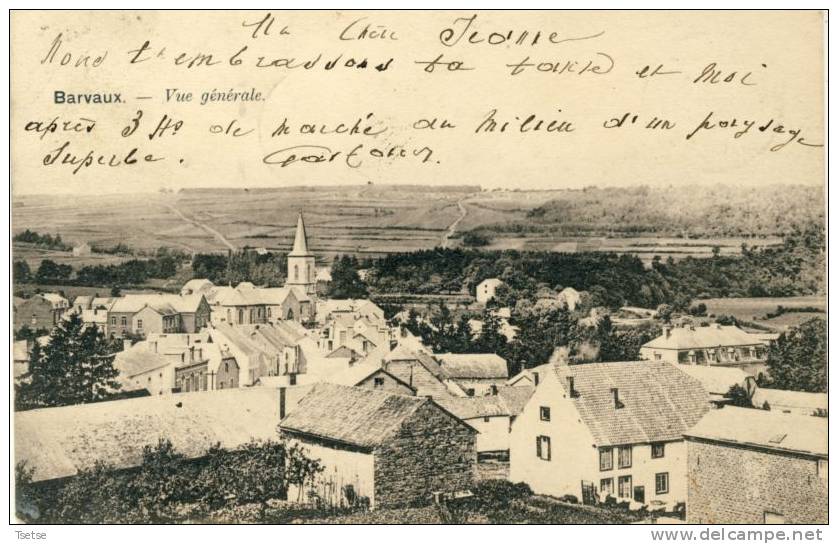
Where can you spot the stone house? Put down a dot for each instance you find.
(246, 304)
(390, 449)
(715, 345)
(42, 311)
(757, 466)
(486, 289)
(477, 373)
(156, 319)
(370, 375)
(600, 429)
(206, 368)
(193, 312)
(421, 372)
(82, 250)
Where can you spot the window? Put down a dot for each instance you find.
(624, 487)
(662, 483)
(113, 320)
(486, 419)
(378, 382)
(470, 392)
(542, 447)
(545, 413)
(657, 356)
(296, 272)
(624, 457)
(657, 451)
(774, 518)
(606, 459)
(606, 486)
(124, 321)
(140, 324)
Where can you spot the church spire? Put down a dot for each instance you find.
(300, 248)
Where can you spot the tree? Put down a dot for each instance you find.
(49, 270)
(665, 312)
(739, 396)
(798, 360)
(21, 272)
(346, 283)
(75, 366)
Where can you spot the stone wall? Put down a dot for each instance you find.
(432, 451)
(731, 484)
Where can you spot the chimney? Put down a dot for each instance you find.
(494, 389)
(570, 389)
(154, 346)
(281, 403)
(616, 394)
(668, 331)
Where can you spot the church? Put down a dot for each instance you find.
(301, 269)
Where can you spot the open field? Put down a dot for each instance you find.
(365, 220)
(755, 309)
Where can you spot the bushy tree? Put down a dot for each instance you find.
(798, 360)
(21, 273)
(75, 366)
(346, 283)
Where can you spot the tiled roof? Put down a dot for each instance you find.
(133, 303)
(681, 338)
(515, 398)
(55, 299)
(351, 415)
(764, 429)
(359, 372)
(473, 407)
(659, 402)
(473, 365)
(57, 442)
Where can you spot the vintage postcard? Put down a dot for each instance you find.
(427, 267)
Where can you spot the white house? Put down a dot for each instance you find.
(486, 289)
(600, 429)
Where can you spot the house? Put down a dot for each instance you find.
(486, 289)
(282, 349)
(421, 372)
(757, 466)
(599, 429)
(142, 366)
(529, 377)
(196, 286)
(390, 449)
(370, 375)
(207, 368)
(356, 331)
(246, 304)
(59, 442)
(715, 345)
(476, 373)
(189, 313)
(791, 402)
(491, 415)
(82, 250)
(41, 311)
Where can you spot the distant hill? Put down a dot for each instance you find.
(683, 211)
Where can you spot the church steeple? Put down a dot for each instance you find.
(300, 248)
(301, 271)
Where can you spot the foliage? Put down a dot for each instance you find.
(21, 273)
(267, 270)
(738, 396)
(76, 366)
(345, 280)
(26, 333)
(26, 500)
(798, 360)
(42, 240)
(167, 487)
(49, 271)
(133, 272)
(476, 239)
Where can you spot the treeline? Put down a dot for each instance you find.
(795, 268)
(133, 272)
(688, 211)
(42, 240)
(236, 267)
(167, 487)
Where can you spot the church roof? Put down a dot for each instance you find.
(300, 248)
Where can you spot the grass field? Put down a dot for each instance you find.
(755, 309)
(365, 220)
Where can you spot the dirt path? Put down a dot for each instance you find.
(452, 228)
(203, 226)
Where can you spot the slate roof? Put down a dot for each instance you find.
(57, 442)
(779, 398)
(55, 299)
(515, 398)
(681, 338)
(764, 429)
(717, 380)
(659, 401)
(509, 401)
(359, 372)
(356, 416)
(138, 359)
(473, 365)
(133, 303)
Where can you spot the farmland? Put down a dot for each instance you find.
(365, 220)
(755, 309)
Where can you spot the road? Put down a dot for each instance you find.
(203, 226)
(452, 228)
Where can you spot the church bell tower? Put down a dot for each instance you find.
(301, 272)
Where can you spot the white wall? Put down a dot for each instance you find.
(341, 467)
(494, 434)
